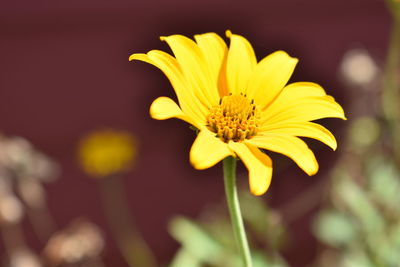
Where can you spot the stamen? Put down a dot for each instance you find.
(235, 118)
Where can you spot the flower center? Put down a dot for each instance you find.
(235, 118)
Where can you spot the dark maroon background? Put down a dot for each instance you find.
(65, 71)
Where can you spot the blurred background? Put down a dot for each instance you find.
(69, 97)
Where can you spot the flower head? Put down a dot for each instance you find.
(240, 105)
(107, 152)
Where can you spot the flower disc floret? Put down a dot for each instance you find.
(234, 118)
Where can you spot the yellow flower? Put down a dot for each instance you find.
(239, 105)
(107, 152)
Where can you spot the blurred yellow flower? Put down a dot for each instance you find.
(106, 152)
(239, 105)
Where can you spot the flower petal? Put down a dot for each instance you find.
(240, 63)
(165, 108)
(298, 90)
(214, 50)
(189, 103)
(303, 129)
(270, 76)
(207, 150)
(194, 68)
(307, 109)
(299, 102)
(258, 164)
(290, 146)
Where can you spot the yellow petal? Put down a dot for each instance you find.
(207, 150)
(270, 76)
(194, 67)
(258, 164)
(165, 108)
(297, 90)
(214, 50)
(189, 103)
(302, 109)
(169, 66)
(299, 102)
(141, 57)
(223, 89)
(241, 61)
(303, 129)
(292, 147)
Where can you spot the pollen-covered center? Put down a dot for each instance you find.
(235, 118)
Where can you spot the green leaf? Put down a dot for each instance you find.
(384, 183)
(334, 228)
(356, 258)
(184, 258)
(357, 201)
(194, 239)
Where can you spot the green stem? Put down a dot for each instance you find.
(234, 209)
(391, 93)
(132, 245)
